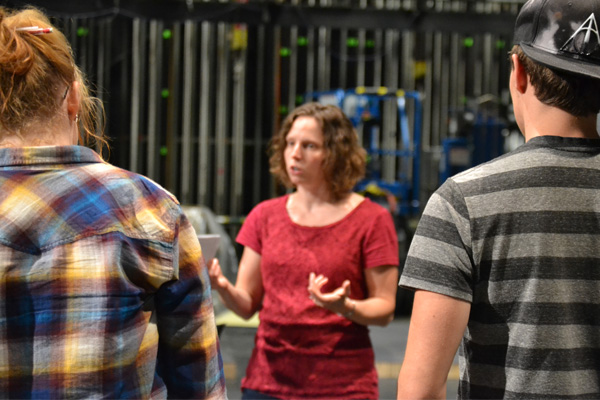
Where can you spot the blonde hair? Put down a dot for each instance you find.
(35, 73)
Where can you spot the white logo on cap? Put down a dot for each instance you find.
(589, 27)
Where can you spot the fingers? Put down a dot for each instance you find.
(346, 287)
(214, 272)
(315, 283)
(317, 280)
(334, 300)
(214, 268)
(313, 289)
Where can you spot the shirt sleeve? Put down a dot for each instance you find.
(189, 358)
(381, 242)
(440, 257)
(249, 234)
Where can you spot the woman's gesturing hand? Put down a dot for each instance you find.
(334, 301)
(217, 279)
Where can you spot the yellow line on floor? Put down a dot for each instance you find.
(230, 370)
(388, 370)
(229, 318)
(454, 374)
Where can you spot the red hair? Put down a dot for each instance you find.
(35, 73)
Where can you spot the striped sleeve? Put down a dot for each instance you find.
(440, 256)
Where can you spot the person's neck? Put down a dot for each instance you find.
(309, 198)
(310, 209)
(36, 135)
(552, 121)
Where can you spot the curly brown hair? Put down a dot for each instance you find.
(575, 94)
(35, 72)
(345, 159)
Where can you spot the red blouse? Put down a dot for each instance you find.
(302, 350)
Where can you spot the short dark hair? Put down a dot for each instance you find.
(345, 159)
(576, 94)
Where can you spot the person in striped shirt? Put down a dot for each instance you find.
(505, 261)
(103, 293)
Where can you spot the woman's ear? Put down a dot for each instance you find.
(73, 98)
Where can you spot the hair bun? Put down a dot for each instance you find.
(16, 53)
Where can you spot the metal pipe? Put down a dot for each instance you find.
(205, 114)
(487, 65)
(222, 118)
(310, 61)
(258, 153)
(134, 127)
(154, 116)
(343, 59)
(173, 110)
(389, 117)
(437, 115)
(445, 93)
(379, 58)
(103, 62)
(324, 62)
(189, 88)
(361, 58)
(428, 89)
(293, 70)
(275, 121)
(456, 72)
(238, 117)
(407, 84)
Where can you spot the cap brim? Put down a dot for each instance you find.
(567, 64)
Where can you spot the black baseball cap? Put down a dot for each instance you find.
(561, 34)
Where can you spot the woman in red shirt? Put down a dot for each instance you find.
(319, 264)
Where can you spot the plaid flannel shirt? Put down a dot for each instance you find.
(103, 292)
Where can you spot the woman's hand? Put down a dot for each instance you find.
(376, 309)
(217, 279)
(245, 297)
(335, 301)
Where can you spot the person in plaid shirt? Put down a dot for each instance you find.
(103, 291)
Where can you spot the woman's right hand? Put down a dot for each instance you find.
(245, 297)
(217, 279)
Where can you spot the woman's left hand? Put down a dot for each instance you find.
(334, 301)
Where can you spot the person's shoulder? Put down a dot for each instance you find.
(371, 207)
(121, 180)
(486, 168)
(144, 205)
(156, 189)
(507, 162)
(271, 204)
(267, 210)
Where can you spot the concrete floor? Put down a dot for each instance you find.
(237, 341)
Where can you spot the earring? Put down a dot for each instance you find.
(77, 118)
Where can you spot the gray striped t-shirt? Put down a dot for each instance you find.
(519, 238)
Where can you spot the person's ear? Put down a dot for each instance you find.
(520, 74)
(73, 98)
